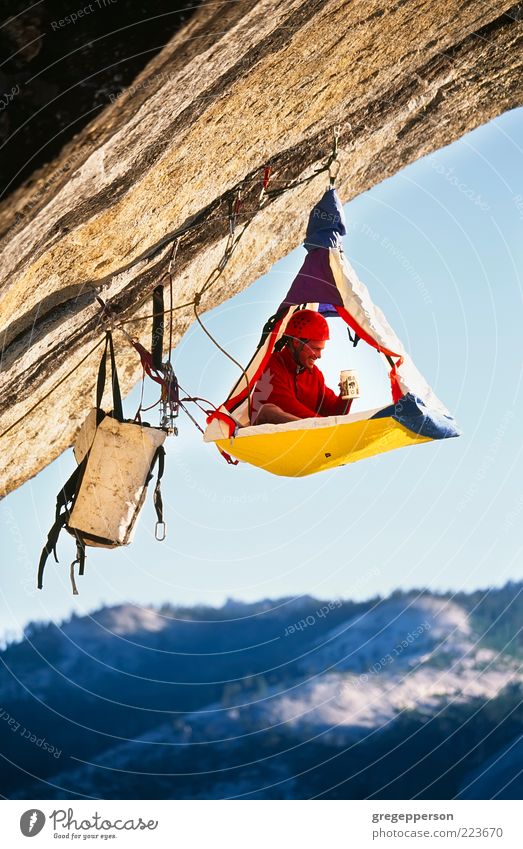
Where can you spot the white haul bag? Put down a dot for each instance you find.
(114, 483)
(101, 501)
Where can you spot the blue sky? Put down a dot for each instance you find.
(439, 246)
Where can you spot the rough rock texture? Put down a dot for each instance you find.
(242, 85)
(62, 62)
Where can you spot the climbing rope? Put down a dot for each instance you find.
(215, 274)
(172, 260)
(53, 389)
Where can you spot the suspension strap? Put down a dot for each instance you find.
(231, 424)
(227, 457)
(170, 385)
(333, 162)
(222, 417)
(100, 385)
(158, 327)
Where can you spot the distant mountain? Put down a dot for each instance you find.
(414, 696)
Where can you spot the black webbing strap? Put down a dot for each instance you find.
(100, 384)
(50, 546)
(354, 339)
(62, 513)
(80, 555)
(158, 328)
(157, 498)
(270, 323)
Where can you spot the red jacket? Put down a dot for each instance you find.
(296, 390)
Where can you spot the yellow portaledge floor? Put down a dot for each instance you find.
(299, 452)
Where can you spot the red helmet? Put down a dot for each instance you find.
(308, 324)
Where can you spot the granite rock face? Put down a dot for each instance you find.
(242, 85)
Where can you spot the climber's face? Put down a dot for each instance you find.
(306, 353)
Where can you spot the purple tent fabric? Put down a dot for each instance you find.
(314, 282)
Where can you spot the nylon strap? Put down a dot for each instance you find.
(354, 339)
(158, 328)
(62, 513)
(222, 417)
(228, 457)
(169, 386)
(157, 498)
(100, 384)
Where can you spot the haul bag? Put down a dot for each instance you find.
(114, 483)
(100, 503)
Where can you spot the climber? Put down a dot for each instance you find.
(291, 386)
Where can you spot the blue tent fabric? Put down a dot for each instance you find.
(328, 311)
(411, 412)
(326, 223)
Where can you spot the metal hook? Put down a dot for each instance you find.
(334, 163)
(160, 534)
(334, 169)
(336, 133)
(71, 575)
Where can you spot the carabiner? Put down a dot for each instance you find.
(163, 531)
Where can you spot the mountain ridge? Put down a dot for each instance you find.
(209, 708)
